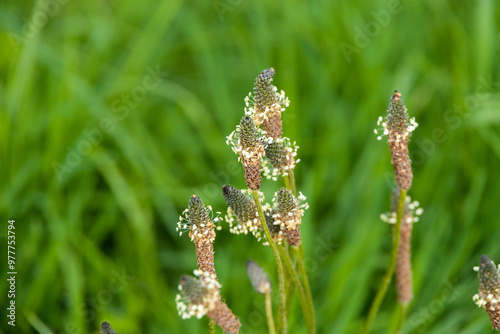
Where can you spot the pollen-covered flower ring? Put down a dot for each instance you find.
(242, 214)
(281, 154)
(289, 212)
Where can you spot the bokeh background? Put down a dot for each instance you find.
(113, 113)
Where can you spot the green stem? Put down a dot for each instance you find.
(279, 264)
(302, 295)
(211, 326)
(392, 264)
(289, 182)
(299, 253)
(306, 300)
(402, 314)
(269, 313)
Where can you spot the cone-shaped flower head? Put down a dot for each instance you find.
(489, 290)
(398, 128)
(264, 91)
(258, 277)
(249, 135)
(281, 154)
(197, 219)
(246, 142)
(106, 328)
(289, 214)
(266, 104)
(242, 214)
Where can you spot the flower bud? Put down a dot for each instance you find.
(259, 279)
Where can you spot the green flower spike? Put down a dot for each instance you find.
(242, 214)
(289, 214)
(266, 105)
(281, 154)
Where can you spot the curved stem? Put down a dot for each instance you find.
(299, 253)
(404, 307)
(269, 313)
(392, 264)
(279, 264)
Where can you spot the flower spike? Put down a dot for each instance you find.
(398, 127)
(489, 290)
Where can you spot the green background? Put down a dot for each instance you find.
(81, 218)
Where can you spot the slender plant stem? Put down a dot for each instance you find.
(299, 253)
(289, 181)
(279, 264)
(392, 264)
(269, 313)
(289, 285)
(211, 326)
(302, 295)
(402, 314)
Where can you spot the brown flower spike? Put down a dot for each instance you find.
(489, 290)
(202, 234)
(398, 128)
(246, 142)
(404, 285)
(202, 296)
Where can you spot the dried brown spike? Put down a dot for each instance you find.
(398, 134)
(222, 315)
(202, 234)
(404, 284)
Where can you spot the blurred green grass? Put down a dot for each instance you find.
(114, 212)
